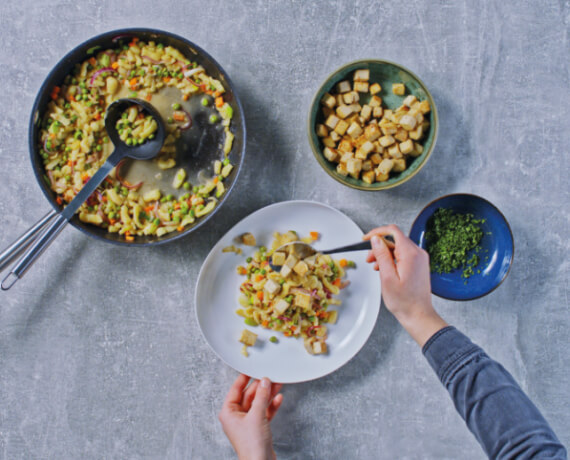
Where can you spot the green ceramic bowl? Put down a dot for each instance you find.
(385, 73)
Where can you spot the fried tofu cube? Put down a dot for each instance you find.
(345, 146)
(377, 112)
(366, 112)
(311, 260)
(417, 133)
(360, 155)
(351, 97)
(278, 258)
(332, 121)
(394, 151)
(343, 86)
(369, 176)
(398, 89)
(341, 169)
(341, 127)
(354, 130)
(372, 132)
(334, 135)
(375, 88)
(376, 158)
(291, 261)
(339, 100)
(401, 135)
(248, 338)
(271, 287)
(362, 75)
(367, 147)
(406, 146)
(302, 300)
(301, 268)
(327, 112)
(346, 156)
(381, 177)
(410, 100)
(424, 107)
(322, 130)
(329, 142)
(385, 167)
(281, 307)
(386, 141)
(366, 165)
(248, 239)
(343, 111)
(319, 347)
(361, 86)
(331, 155)
(378, 148)
(418, 150)
(420, 118)
(285, 271)
(375, 101)
(328, 100)
(399, 165)
(354, 166)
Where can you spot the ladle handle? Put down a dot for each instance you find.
(46, 238)
(16, 248)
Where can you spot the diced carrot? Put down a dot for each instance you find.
(105, 199)
(115, 65)
(242, 271)
(265, 323)
(177, 206)
(179, 116)
(56, 89)
(259, 295)
(343, 263)
(59, 200)
(133, 81)
(92, 61)
(165, 79)
(148, 97)
(109, 180)
(337, 282)
(258, 278)
(293, 328)
(52, 135)
(69, 163)
(53, 96)
(148, 209)
(217, 93)
(186, 97)
(97, 116)
(216, 180)
(314, 235)
(112, 221)
(264, 263)
(130, 238)
(180, 228)
(219, 101)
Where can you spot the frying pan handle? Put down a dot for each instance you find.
(16, 248)
(34, 251)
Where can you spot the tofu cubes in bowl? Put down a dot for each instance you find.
(372, 125)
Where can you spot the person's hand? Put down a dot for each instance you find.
(405, 282)
(246, 414)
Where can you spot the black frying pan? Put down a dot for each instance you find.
(197, 148)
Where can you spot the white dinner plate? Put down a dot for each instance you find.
(217, 292)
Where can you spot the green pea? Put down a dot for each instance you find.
(112, 215)
(176, 220)
(186, 186)
(124, 191)
(248, 260)
(289, 298)
(262, 249)
(68, 178)
(160, 46)
(250, 322)
(176, 106)
(263, 271)
(156, 221)
(273, 339)
(169, 197)
(226, 161)
(213, 118)
(170, 120)
(205, 101)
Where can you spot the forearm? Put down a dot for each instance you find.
(421, 323)
(502, 418)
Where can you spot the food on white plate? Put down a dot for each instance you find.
(74, 143)
(366, 140)
(297, 300)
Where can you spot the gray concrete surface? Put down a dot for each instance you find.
(100, 352)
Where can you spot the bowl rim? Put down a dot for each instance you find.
(472, 195)
(318, 153)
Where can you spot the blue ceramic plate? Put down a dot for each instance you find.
(497, 244)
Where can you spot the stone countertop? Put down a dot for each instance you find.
(100, 352)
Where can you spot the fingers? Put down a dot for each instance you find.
(384, 259)
(262, 398)
(249, 395)
(235, 394)
(274, 406)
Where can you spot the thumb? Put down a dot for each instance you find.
(384, 258)
(262, 398)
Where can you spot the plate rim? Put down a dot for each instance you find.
(219, 243)
(480, 198)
